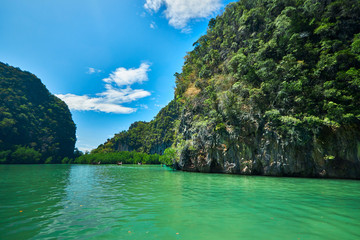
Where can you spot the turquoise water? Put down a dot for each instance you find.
(151, 202)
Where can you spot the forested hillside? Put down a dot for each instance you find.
(272, 88)
(149, 137)
(35, 126)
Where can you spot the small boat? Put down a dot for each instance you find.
(140, 163)
(119, 163)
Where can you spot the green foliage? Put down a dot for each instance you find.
(115, 157)
(25, 155)
(5, 156)
(169, 156)
(49, 160)
(31, 117)
(66, 160)
(149, 137)
(329, 157)
(296, 63)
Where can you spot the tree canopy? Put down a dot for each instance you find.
(149, 137)
(35, 125)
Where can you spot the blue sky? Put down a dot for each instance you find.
(111, 61)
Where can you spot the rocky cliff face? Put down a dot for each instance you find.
(257, 149)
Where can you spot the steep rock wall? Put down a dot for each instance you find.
(256, 149)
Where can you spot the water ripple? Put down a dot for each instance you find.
(150, 202)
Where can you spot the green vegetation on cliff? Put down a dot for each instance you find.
(149, 137)
(272, 88)
(35, 126)
(292, 62)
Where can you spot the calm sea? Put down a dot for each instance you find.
(152, 202)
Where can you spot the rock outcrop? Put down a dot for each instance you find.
(257, 149)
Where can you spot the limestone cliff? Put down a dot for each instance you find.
(272, 88)
(255, 148)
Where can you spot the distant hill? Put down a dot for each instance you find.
(149, 137)
(35, 126)
(272, 88)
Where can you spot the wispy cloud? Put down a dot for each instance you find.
(159, 105)
(117, 91)
(93, 70)
(180, 12)
(153, 25)
(144, 106)
(85, 148)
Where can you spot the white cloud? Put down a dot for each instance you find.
(115, 94)
(123, 95)
(93, 70)
(123, 76)
(153, 4)
(86, 103)
(180, 12)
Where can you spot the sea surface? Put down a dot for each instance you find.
(154, 202)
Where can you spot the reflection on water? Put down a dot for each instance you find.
(151, 202)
